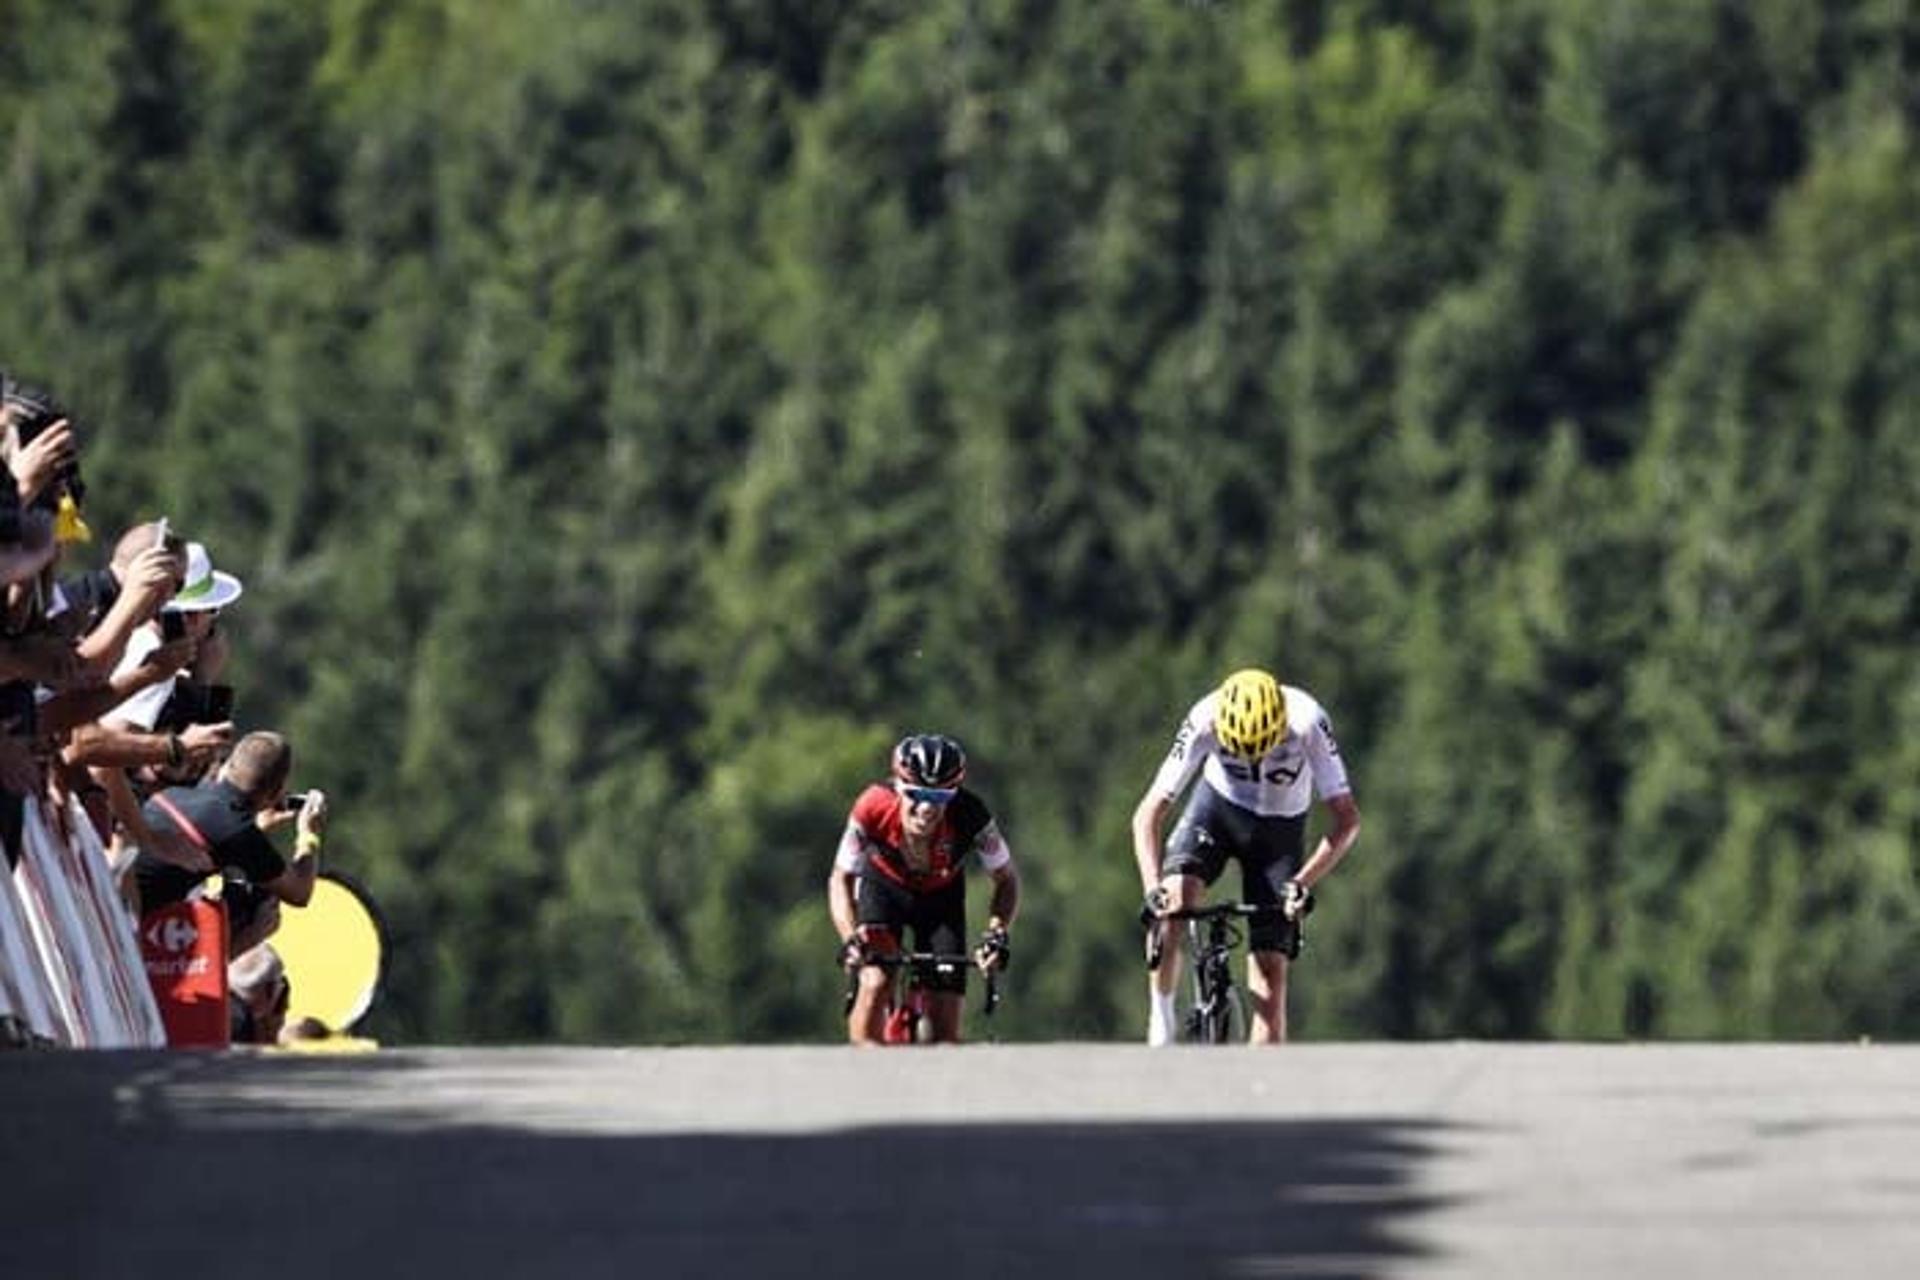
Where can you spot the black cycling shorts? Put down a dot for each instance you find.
(938, 921)
(1214, 831)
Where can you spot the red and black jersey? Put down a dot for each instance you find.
(875, 828)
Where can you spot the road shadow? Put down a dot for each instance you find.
(104, 1181)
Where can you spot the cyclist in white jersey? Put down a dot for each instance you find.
(1264, 751)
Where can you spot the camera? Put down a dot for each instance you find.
(193, 703)
(173, 626)
(294, 802)
(35, 410)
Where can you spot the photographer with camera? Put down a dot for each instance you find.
(42, 449)
(166, 730)
(103, 608)
(43, 452)
(26, 539)
(99, 613)
(185, 627)
(37, 445)
(39, 512)
(229, 820)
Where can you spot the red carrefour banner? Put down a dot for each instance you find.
(185, 950)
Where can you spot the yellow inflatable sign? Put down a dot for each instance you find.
(333, 950)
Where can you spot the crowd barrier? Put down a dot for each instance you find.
(72, 971)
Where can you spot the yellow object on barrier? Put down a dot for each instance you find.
(334, 950)
(329, 1045)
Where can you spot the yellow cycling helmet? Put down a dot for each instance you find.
(1252, 716)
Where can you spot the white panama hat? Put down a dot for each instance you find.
(206, 587)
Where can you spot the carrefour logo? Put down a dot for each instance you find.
(173, 934)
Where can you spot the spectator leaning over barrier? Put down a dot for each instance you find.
(101, 622)
(194, 612)
(228, 819)
(43, 453)
(258, 994)
(103, 610)
(26, 534)
(198, 702)
(36, 661)
(20, 560)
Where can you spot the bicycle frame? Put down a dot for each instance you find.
(1211, 934)
(907, 993)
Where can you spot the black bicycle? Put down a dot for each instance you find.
(908, 972)
(1218, 1014)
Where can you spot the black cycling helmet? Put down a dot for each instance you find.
(929, 760)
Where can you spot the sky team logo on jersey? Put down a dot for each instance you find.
(1280, 771)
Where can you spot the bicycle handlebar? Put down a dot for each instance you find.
(926, 962)
(1244, 910)
(1218, 913)
(935, 960)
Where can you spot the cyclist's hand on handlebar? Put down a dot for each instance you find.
(994, 951)
(853, 953)
(1158, 902)
(1296, 900)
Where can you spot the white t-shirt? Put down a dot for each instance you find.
(1305, 763)
(142, 710)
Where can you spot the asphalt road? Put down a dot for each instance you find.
(1623, 1162)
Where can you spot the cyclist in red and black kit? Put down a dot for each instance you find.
(900, 866)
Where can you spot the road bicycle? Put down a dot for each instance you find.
(1218, 1012)
(908, 971)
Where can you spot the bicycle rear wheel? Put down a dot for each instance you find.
(902, 1026)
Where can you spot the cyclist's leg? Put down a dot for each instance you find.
(1181, 892)
(880, 909)
(1271, 858)
(940, 926)
(1195, 857)
(1267, 985)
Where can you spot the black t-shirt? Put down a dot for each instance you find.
(224, 818)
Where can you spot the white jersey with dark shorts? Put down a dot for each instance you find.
(1304, 764)
(1255, 813)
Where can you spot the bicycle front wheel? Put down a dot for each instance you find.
(1224, 1019)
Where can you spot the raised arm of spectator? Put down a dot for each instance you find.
(149, 581)
(35, 464)
(69, 711)
(44, 657)
(294, 886)
(110, 744)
